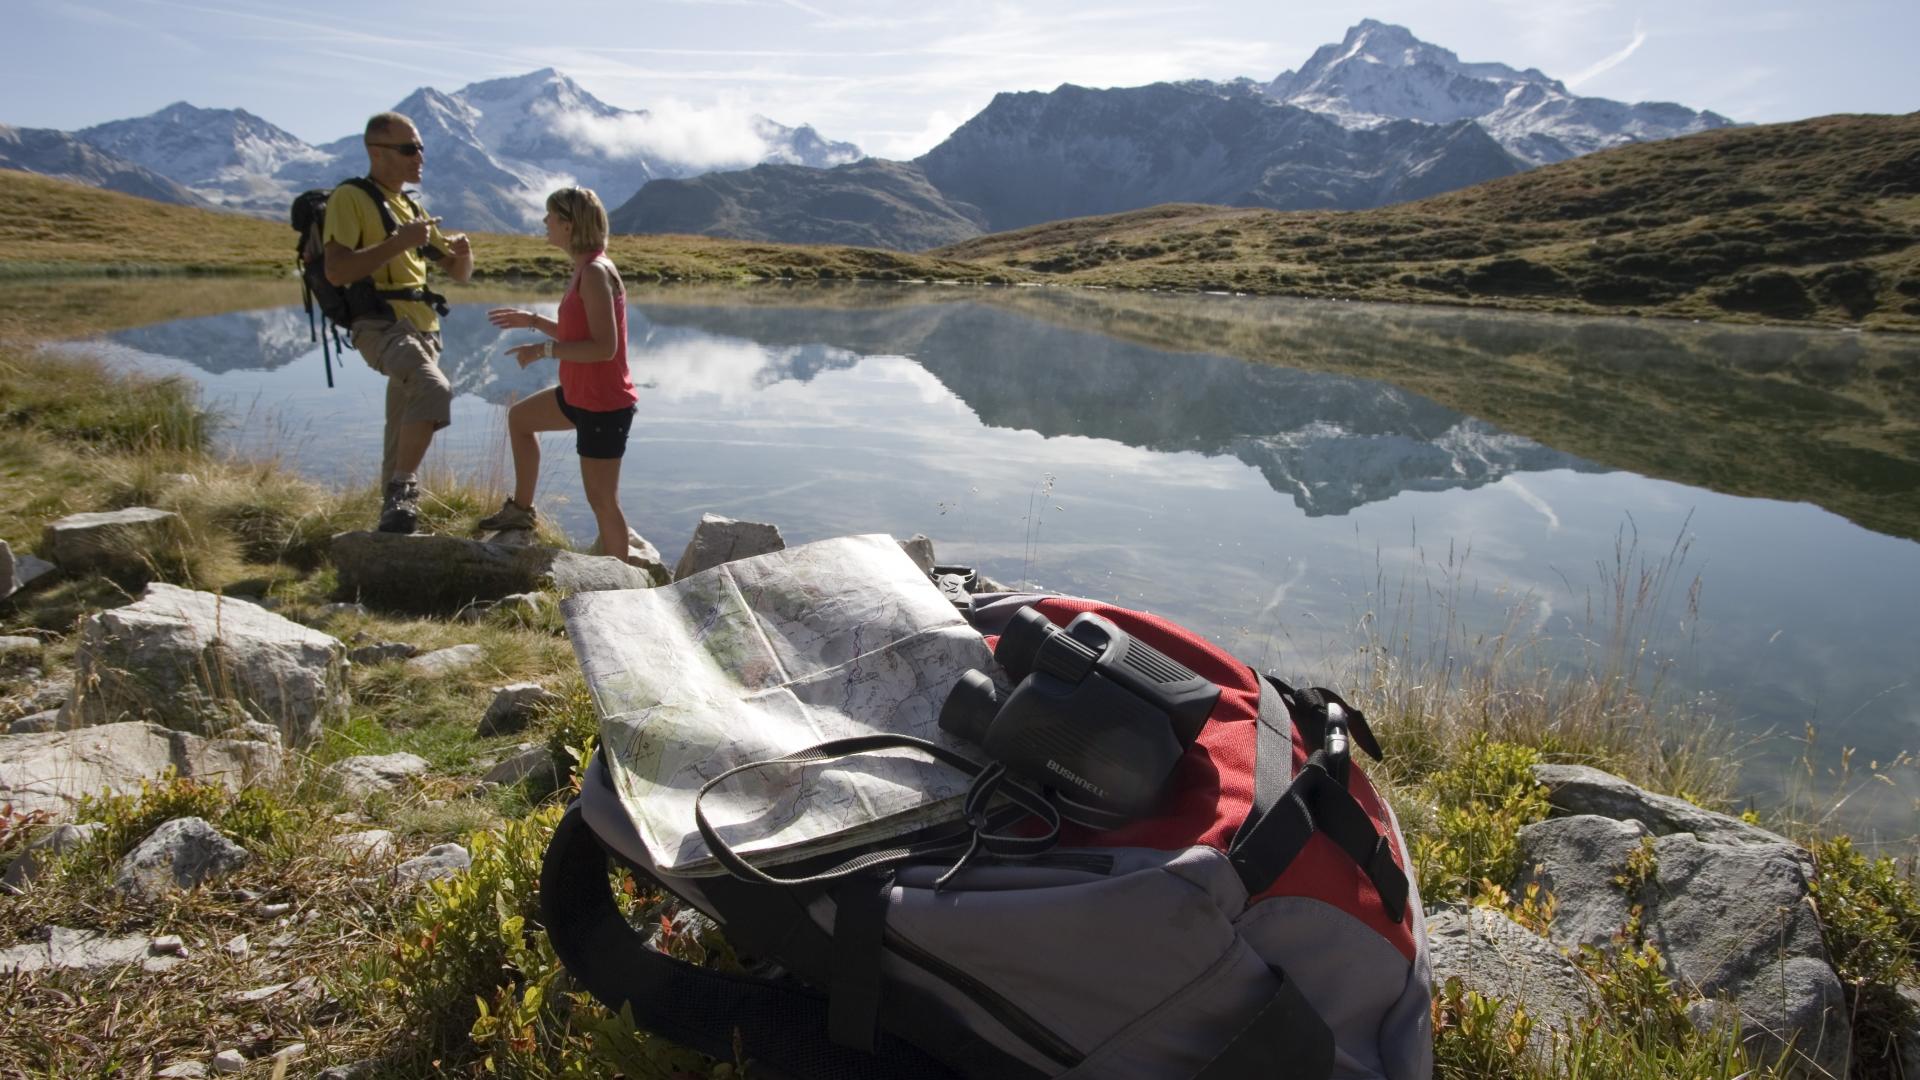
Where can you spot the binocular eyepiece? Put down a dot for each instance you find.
(1095, 713)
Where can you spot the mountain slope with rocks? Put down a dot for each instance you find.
(62, 156)
(1032, 157)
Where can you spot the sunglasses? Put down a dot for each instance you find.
(409, 149)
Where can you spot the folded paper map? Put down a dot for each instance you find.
(763, 657)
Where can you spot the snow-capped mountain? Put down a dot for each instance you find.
(1380, 72)
(228, 156)
(494, 150)
(58, 154)
(1033, 157)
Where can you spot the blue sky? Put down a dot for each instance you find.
(897, 77)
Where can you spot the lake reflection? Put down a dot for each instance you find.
(1116, 447)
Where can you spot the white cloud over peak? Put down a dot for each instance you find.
(714, 136)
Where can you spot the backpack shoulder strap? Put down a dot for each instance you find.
(782, 1026)
(379, 198)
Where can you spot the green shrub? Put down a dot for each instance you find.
(1870, 917)
(1482, 797)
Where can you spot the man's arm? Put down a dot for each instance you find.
(458, 262)
(347, 265)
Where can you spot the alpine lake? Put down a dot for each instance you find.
(1735, 510)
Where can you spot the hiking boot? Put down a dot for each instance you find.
(511, 515)
(400, 512)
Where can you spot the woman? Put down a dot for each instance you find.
(595, 397)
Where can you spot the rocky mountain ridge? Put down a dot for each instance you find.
(495, 148)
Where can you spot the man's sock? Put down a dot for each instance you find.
(405, 478)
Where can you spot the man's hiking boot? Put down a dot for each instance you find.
(511, 515)
(400, 512)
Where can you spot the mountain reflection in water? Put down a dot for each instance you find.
(1280, 475)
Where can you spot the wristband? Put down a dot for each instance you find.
(549, 353)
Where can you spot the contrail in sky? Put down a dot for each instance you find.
(1609, 63)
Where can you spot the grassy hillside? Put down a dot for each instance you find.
(1815, 221)
(52, 227)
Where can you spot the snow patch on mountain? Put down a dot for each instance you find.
(1380, 73)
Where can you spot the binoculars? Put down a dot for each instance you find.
(1095, 714)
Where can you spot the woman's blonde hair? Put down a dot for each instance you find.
(582, 207)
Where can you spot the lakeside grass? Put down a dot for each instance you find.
(400, 975)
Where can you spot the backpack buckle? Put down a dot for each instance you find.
(1338, 744)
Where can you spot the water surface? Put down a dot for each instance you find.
(1274, 473)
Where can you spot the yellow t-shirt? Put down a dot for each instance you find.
(353, 220)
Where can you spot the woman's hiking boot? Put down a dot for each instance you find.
(511, 515)
(400, 511)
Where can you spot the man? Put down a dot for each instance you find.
(395, 327)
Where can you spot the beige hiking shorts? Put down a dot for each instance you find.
(416, 387)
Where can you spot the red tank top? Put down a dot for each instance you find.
(608, 385)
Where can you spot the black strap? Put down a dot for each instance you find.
(779, 1025)
(1285, 1040)
(1284, 817)
(979, 833)
(1309, 709)
(859, 932)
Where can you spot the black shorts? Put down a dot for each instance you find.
(600, 434)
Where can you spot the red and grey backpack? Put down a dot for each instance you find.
(1259, 921)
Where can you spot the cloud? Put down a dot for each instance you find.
(902, 146)
(1609, 63)
(714, 136)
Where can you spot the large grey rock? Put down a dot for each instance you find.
(66, 949)
(447, 661)
(1580, 789)
(116, 541)
(1733, 920)
(45, 843)
(514, 707)
(1577, 859)
(440, 861)
(719, 540)
(51, 771)
(180, 854)
(1499, 958)
(442, 574)
(199, 662)
(359, 777)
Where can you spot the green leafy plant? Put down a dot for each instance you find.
(1483, 796)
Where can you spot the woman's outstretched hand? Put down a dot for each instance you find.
(507, 318)
(527, 354)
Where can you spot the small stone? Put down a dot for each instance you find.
(38, 722)
(167, 945)
(180, 854)
(381, 652)
(369, 845)
(440, 861)
(920, 550)
(359, 777)
(446, 661)
(720, 539)
(474, 613)
(57, 840)
(514, 707)
(530, 765)
(183, 1070)
(229, 1062)
(331, 611)
(274, 911)
(243, 895)
(238, 947)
